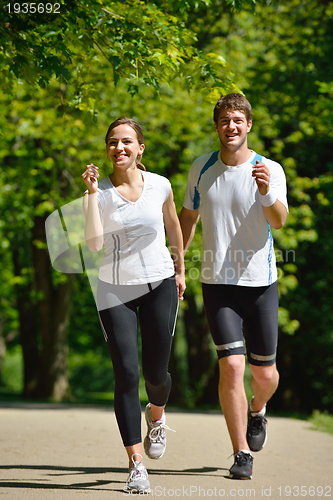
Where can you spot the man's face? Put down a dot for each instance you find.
(232, 128)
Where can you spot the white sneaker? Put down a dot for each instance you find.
(155, 440)
(137, 480)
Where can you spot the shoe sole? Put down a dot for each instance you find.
(236, 476)
(233, 476)
(137, 490)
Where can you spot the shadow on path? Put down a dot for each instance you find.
(57, 471)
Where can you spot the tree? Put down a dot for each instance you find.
(70, 56)
(284, 68)
(8, 318)
(46, 143)
(140, 42)
(38, 152)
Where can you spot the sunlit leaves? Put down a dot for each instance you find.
(140, 42)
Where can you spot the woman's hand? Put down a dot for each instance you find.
(90, 176)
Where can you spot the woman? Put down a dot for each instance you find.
(139, 283)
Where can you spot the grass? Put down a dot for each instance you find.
(321, 422)
(12, 371)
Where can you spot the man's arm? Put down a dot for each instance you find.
(276, 214)
(188, 221)
(274, 210)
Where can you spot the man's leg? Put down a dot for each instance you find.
(224, 313)
(224, 316)
(233, 399)
(264, 382)
(261, 333)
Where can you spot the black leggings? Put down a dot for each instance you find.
(156, 313)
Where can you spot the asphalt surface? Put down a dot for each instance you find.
(61, 452)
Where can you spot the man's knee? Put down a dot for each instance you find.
(265, 374)
(232, 367)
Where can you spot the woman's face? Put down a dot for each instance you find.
(123, 147)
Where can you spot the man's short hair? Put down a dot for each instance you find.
(233, 102)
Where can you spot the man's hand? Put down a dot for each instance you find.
(262, 176)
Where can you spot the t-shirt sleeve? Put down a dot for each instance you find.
(189, 201)
(278, 182)
(167, 189)
(163, 185)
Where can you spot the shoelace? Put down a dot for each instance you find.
(157, 433)
(257, 423)
(138, 470)
(241, 458)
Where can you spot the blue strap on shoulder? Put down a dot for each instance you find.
(257, 157)
(211, 160)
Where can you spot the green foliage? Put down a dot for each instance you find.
(322, 422)
(90, 372)
(284, 68)
(288, 83)
(139, 42)
(12, 374)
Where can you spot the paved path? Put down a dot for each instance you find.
(59, 452)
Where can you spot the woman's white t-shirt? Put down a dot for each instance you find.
(135, 250)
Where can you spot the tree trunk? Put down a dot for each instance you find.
(54, 306)
(28, 329)
(202, 365)
(2, 350)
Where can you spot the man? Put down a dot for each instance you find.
(239, 195)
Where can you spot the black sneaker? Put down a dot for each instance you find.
(242, 468)
(256, 433)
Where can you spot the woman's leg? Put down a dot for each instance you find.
(120, 326)
(157, 315)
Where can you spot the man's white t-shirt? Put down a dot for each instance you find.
(135, 250)
(237, 244)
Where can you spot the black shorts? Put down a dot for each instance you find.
(236, 313)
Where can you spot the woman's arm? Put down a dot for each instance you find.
(94, 229)
(175, 238)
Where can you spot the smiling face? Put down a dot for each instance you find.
(123, 147)
(232, 128)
